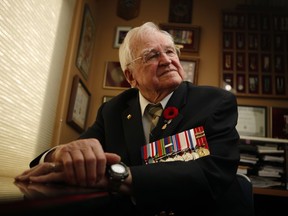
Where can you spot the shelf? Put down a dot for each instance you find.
(270, 192)
(264, 139)
(253, 158)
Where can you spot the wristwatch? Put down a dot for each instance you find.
(117, 173)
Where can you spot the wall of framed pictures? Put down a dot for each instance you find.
(254, 53)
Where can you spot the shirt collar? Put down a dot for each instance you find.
(144, 102)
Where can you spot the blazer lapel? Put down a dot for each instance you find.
(133, 131)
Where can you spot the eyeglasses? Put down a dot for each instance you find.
(154, 55)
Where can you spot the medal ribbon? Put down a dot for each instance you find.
(189, 140)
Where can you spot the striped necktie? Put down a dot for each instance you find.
(154, 111)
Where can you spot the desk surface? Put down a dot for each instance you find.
(19, 198)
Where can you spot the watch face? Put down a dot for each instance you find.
(118, 168)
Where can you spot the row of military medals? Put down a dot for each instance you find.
(187, 145)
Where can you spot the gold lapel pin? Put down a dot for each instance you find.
(129, 116)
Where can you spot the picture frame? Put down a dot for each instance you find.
(252, 121)
(241, 83)
(240, 61)
(114, 77)
(86, 43)
(253, 41)
(265, 42)
(121, 32)
(278, 42)
(253, 62)
(180, 11)
(266, 62)
(253, 84)
(228, 40)
(252, 21)
(280, 85)
(279, 122)
(240, 40)
(78, 105)
(228, 81)
(267, 84)
(187, 36)
(279, 63)
(233, 20)
(228, 61)
(191, 68)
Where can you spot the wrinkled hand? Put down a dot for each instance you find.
(81, 162)
(39, 190)
(43, 173)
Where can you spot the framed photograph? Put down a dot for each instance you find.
(253, 83)
(190, 66)
(186, 35)
(279, 63)
(227, 40)
(267, 84)
(227, 61)
(180, 11)
(253, 41)
(240, 61)
(240, 40)
(279, 122)
(228, 81)
(252, 121)
(253, 61)
(107, 98)
(252, 21)
(233, 20)
(265, 23)
(114, 77)
(280, 85)
(86, 43)
(241, 83)
(265, 42)
(121, 32)
(266, 62)
(78, 105)
(278, 42)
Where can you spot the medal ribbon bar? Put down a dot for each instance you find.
(187, 145)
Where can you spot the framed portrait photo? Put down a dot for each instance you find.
(187, 36)
(78, 105)
(86, 43)
(121, 32)
(114, 77)
(190, 66)
(252, 121)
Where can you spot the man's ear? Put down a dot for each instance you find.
(129, 77)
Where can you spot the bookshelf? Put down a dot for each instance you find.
(265, 161)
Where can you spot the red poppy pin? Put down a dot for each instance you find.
(169, 113)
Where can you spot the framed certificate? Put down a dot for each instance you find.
(252, 121)
(78, 105)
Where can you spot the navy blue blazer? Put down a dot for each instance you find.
(207, 184)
